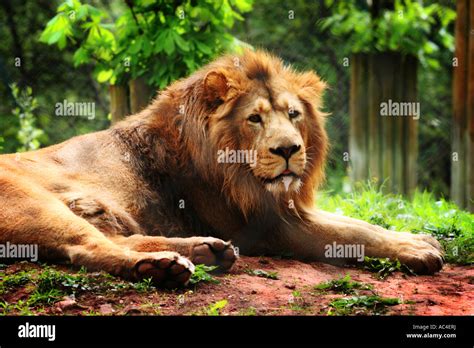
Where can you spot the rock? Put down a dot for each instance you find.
(106, 309)
(66, 303)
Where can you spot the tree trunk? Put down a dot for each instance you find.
(462, 169)
(383, 147)
(140, 94)
(118, 102)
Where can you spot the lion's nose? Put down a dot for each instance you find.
(285, 151)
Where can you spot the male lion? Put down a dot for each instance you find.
(148, 197)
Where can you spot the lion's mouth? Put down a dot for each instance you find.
(286, 173)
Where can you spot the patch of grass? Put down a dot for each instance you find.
(385, 267)
(52, 278)
(151, 308)
(90, 313)
(250, 311)
(52, 285)
(20, 306)
(444, 220)
(262, 273)
(297, 302)
(144, 285)
(46, 297)
(343, 285)
(201, 274)
(15, 280)
(216, 308)
(362, 305)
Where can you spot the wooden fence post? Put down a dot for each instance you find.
(462, 169)
(384, 147)
(118, 102)
(140, 94)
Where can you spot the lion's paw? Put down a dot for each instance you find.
(168, 269)
(212, 251)
(421, 253)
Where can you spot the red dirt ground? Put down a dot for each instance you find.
(450, 292)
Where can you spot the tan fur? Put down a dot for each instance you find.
(129, 199)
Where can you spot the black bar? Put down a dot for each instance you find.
(242, 330)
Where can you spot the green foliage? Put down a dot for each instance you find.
(385, 267)
(453, 227)
(343, 285)
(160, 40)
(145, 285)
(13, 280)
(216, 308)
(28, 135)
(361, 304)
(51, 285)
(411, 28)
(262, 273)
(201, 275)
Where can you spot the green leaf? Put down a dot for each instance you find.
(54, 37)
(203, 48)
(104, 75)
(136, 46)
(183, 45)
(168, 43)
(215, 308)
(81, 56)
(242, 5)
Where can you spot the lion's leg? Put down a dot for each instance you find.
(30, 215)
(322, 231)
(200, 250)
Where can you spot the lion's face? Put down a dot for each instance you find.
(263, 124)
(272, 125)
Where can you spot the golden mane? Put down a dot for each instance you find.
(186, 113)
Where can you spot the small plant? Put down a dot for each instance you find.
(343, 285)
(262, 273)
(385, 267)
(51, 278)
(144, 285)
(201, 274)
(28, 135)
(216, 308)
(297, 302)
(45, 297)
(361, 304)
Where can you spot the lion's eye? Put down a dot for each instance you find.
(255, 118)
(293, 113)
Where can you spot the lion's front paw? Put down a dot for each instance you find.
(421, 253)
(168, 269)
(212, 251)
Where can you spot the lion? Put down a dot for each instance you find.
(148, 197)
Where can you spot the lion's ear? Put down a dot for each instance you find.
(311, 86)
(216, 87)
